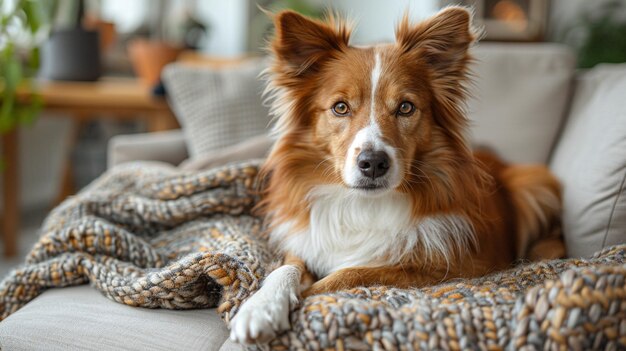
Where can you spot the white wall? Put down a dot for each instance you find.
(565, 14)
(376, 19)
(228, 21)
(127, 15)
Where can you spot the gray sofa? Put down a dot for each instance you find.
(530, 105)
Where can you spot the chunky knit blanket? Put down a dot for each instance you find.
(148, 235)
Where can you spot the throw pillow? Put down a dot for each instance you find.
(217, 107)
(590, 160)
(519, 98)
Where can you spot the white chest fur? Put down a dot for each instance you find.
(348, 229)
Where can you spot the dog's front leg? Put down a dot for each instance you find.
(400, 276)
(266, 313)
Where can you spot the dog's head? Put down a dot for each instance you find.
(375, 119)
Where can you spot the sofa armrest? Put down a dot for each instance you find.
(168, 146)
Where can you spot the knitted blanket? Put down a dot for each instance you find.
(148, 235)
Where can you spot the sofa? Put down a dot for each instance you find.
(529, 104)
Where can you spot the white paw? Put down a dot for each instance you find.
(266, 313)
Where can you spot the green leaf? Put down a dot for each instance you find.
(28, 114)
(25, 115)
(4, 21)
(16, 67)
(32, 10)
(8, 51)
(13, 74)
(34, 60)
(6, 113)
(36, 100)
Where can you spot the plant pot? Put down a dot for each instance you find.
(149, 57)
(72, 54)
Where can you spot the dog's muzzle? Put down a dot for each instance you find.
(373, 164)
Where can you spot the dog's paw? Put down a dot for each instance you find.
(259, 321)
(266, 313)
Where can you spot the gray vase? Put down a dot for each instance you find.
(71, 54)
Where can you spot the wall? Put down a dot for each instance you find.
(375, 19)
(228, 20)
(566, 13)
(127, 15)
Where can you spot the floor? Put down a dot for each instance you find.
(31, 222)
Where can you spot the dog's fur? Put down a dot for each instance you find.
(439, 211)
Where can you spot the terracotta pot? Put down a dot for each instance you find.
(149, 57)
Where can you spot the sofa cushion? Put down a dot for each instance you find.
(590, 160)
(520, 98)
(80, 318)
(166, 146)
(217, 107)
(256, 147)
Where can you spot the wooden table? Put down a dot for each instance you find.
(108, 98)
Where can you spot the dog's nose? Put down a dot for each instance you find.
(373, 164)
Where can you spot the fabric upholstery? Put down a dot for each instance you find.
(80, 318)
(590, 161)
(519, 98)
(217, 107)
(231, 346)
(168, 146)
(256, 147)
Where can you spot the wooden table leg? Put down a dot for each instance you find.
(10, 192)
(68, 185)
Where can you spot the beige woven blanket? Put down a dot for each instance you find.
(148, 235)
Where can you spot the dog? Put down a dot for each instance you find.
(371, 180)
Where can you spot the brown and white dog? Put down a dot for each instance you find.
(371, 180)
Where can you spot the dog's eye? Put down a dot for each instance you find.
(341, 109)
(405, 109)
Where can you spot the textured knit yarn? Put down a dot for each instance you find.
(149, 235)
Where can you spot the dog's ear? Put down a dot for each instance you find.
(442, 40)
(303, 43)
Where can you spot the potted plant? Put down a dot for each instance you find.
(599, 36)
(149, 55)
(22, 28)
(72, 52)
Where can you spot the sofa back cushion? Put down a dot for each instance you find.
(520, 98)
(590, 160)
(217, 106)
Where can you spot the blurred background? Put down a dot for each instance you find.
(73, 74)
